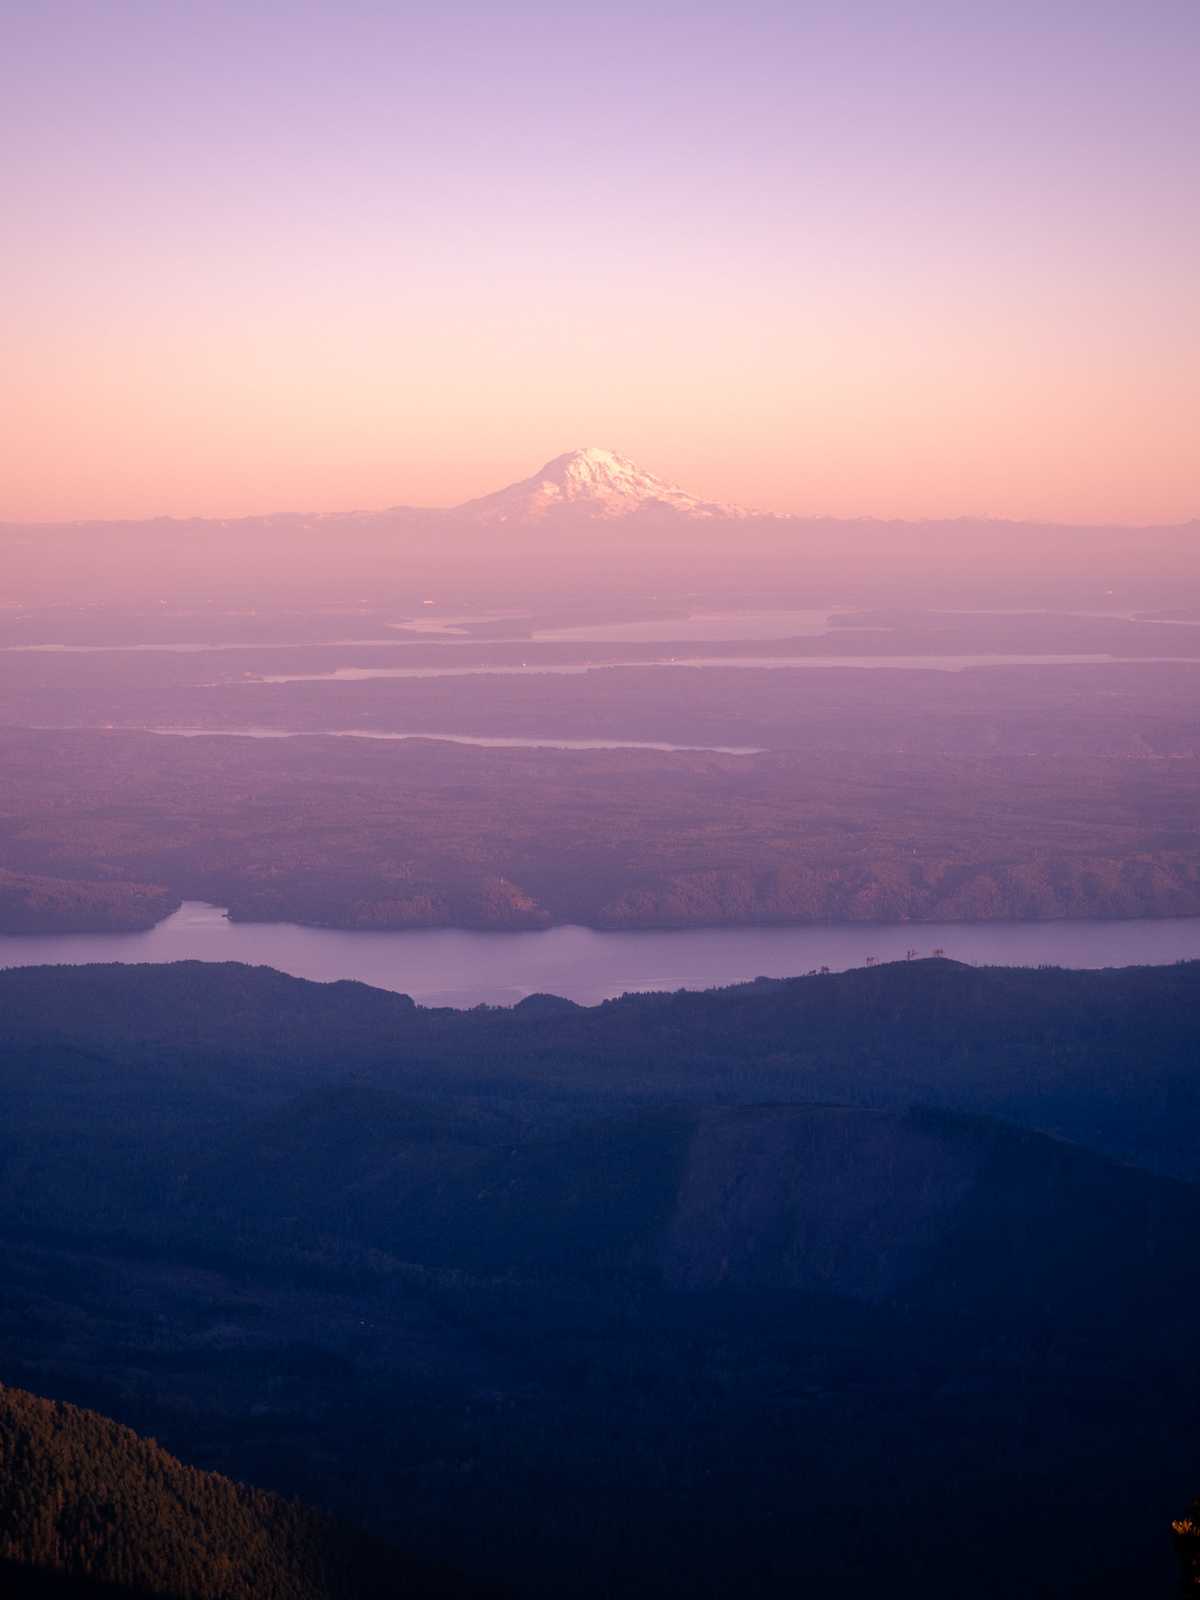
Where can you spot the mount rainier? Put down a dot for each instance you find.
(592, 483)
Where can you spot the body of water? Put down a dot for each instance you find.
(928, 663)
(451, 967)
(193, 648)
(697, 626)
(456, 627)
(488, 741)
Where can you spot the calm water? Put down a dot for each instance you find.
(193, 648)
(577, 668)
(697, 625)
(453, 968)
(488, 741)
(783, 623)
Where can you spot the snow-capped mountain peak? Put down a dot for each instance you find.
(592, 483)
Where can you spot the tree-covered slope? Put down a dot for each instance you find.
(771, 1289)
(83, 1498)
(1110, 1059)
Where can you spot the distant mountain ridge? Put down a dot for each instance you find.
(589, 515)
(590, 483)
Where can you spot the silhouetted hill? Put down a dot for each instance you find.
(1107, 1059)
(861, 1203)
(89, 1508)
(770, 1289)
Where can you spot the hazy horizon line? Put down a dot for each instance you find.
(734, 513)
(402, 507)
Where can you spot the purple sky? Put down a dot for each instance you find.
(921, 259)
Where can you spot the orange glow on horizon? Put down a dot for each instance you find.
(888, 269)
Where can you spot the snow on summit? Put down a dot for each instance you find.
(593, 483)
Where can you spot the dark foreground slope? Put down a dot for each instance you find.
(765, 1290)
(89, 1508)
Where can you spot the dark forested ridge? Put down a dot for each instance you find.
(1106, 1058)
(768, 1289)
(89, 1508)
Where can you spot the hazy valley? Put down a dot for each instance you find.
(787, 1285)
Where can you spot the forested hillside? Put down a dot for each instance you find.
(768, 1289)
(83, 1498)
(115, 825)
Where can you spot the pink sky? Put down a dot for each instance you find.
(812, 258)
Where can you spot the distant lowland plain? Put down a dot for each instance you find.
(594, 699)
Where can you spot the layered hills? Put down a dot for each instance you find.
(779, 1287)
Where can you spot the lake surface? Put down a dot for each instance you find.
(488, 741)
(698, 626)
(449, 967)
(926, 663)
(193, 648)
(788, 623)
